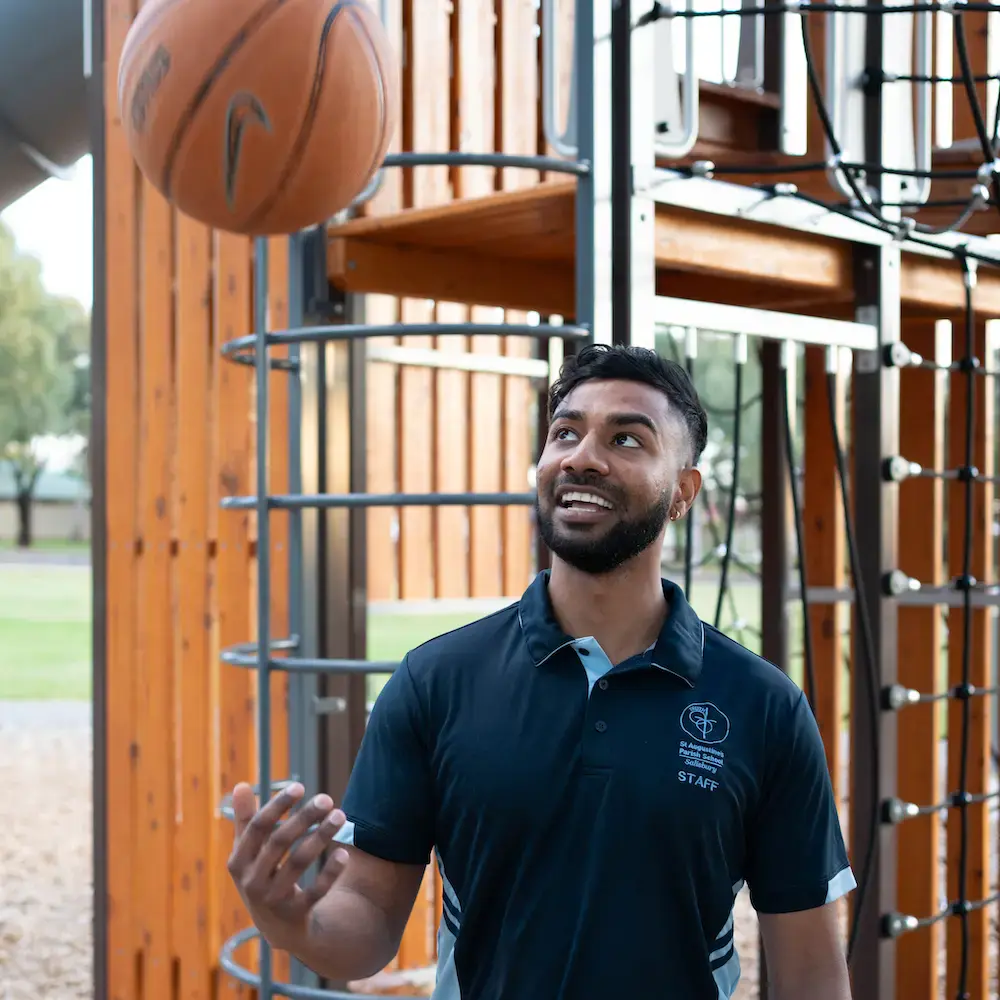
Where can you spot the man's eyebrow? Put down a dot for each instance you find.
(564, 414)
(616, 419)
(624, 419)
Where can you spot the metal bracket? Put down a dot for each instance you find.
(322, 301)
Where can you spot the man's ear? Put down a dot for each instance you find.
(688, 488)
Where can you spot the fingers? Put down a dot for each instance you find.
(306, 852)
(281, 840)
(244, 807)
(254, 828)
(328, 874)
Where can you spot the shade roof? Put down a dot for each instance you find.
(43, 93)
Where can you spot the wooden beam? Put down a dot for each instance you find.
(357, 265)
(516, 249)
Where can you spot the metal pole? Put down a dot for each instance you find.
(301, 687)
(633, 164)
(263, 566)
(593, 196)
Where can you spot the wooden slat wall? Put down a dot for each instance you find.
(181, 435)
(471, 82)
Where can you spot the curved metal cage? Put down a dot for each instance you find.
(259, 654)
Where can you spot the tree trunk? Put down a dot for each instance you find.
(24, 519)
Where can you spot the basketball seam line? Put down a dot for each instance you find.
(309, 120)
(249, 29)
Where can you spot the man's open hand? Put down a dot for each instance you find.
(270, 855)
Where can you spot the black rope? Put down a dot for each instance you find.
(868, 650)
(797, 517)
(733, 490)
(970, 409)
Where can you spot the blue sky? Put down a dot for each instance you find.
(55, 223)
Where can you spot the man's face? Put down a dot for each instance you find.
(612, 467)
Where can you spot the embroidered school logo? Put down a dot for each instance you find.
(705, 723)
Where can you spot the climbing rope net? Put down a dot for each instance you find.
(859, 186)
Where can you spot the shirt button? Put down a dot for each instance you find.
(600, 725)
(603, 684)
(583, 651)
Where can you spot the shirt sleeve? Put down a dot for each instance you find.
(796, 858)
(389, 797)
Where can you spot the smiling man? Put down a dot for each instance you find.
(596, 770)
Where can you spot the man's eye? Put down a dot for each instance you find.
(628, 440)
(563, 434)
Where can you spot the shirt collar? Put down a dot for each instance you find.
(678, 649)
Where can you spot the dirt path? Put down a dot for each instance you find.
(45, 845)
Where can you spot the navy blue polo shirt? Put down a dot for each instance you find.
(592, 823)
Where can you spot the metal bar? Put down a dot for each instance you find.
(328, 501)
(765, 323)
(593, 194)
(318, 665)
(301, 687)
(263, 564)
(774, 509)
(499, 364)
(551, 164)
(244, 975)
(563, 143)
(633, 166)
(874, 755)
(98, 509)
(324, 334)
(621, 169)
(932, 598)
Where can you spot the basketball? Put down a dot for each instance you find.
(259, 117)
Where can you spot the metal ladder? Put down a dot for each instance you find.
(609, 237)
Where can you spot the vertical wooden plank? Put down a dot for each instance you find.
(472, 85)
(278, 478)
(154, 659)
(192, 621)
(235, 719)
(978, 881)
(451, 466)
(921, 509)
(383, 462)
(825, 545)
(477, 103)
(426, 123)
(382, 389)
(122, 522)
(518, 126)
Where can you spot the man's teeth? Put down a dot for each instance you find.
(591, 498)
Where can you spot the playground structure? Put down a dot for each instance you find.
(238, 538)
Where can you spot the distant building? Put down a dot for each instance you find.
(60, 509)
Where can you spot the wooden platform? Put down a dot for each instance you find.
(515, 249)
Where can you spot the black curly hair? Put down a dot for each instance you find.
(636, 364)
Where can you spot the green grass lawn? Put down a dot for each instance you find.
(45, 628)
(45, 631)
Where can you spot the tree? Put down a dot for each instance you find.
(42, 338)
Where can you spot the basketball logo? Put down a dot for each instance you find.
(705, 723)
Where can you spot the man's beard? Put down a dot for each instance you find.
(605, 552)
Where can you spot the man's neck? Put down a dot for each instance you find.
(623, 610)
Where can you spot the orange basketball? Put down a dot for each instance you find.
(258, 116)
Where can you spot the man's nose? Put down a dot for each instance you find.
(587, 456)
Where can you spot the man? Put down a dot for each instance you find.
(597, 771)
